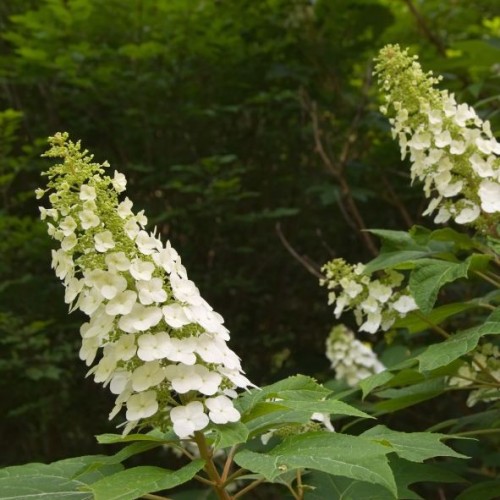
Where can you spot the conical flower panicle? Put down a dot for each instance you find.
(351, 359)
(150, 337)
(376, 302)
(453, 152)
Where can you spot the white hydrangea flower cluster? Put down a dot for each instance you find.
(375, 302)
(351, 359)
(483, 369)
(453, 152)
(159, 345)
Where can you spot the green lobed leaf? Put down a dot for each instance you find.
(458, 344)
(406, 473)
(414, 323)
(398, 399)
(400, 259)
(429, 276)
(268, 415)
(155, 436)
(230, 434)
(60, 480)
(338, 454)
(297, 388)
(413, 446)
(373, 381)
(142, 480)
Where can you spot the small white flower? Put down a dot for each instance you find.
(420, 141)
(380, 292)
(469, 213)
(122, 303)
(109, 284)
(146, 243)
(87, 193)
(124, 209)
(150, 374)
(210, 381)
(119, 182)
(88, 219)
(372, 323)
(405, 304)
(175, 316)
(141, 270)
(324, 418)
(155, 346)
(182, 350)
(125, 347)
(185, 290)
(89, 301)
(140, 318)
(117, 261)
(68, 225)
(142, 405)
(88, 350)
(151, 291)
(221, 410)
(188, 419)
(104, 241)
(131, 229)
(208, 349)
(183, 378)
(166, 258)
(69, 242)
(119, 381)
(489, 193)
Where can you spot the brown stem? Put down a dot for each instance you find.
(210, 468)
(490, 280)
(337, 171)
(300, 486)
(248, 488)
(434, 327)
(422, 24)
(204, 480)
(227, 465)
(395, 200)
(303, 260)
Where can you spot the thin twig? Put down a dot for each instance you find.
(336, 169)
(436, 328)
(422, 23)
(313, 270)
(227, 465)
(248, 488)
(394, 199)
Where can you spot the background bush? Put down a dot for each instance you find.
(235, 122)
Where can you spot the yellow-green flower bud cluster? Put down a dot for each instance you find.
(150, 337)
(452, 151)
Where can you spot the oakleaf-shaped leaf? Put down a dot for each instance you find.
(429, 276)
(61, 480)
(413, 446)
(406, 473)
(338, 454)
(229, 434)
(458, 344)
(138, 481)
(297, 388)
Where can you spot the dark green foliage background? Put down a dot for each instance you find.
(205, 106)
